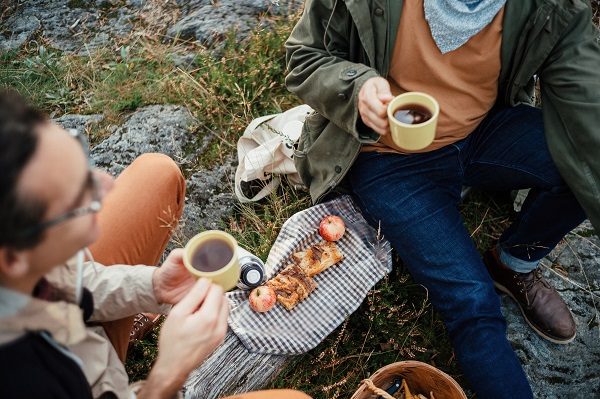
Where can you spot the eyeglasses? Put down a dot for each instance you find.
(91, 185)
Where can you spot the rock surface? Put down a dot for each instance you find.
(78, 26)
(156, 128)
(20, 29)
(571, 370)
(74, 26)
(205, 20)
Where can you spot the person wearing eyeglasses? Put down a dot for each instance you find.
(65, 318)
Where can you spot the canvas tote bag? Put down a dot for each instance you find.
(265, 152)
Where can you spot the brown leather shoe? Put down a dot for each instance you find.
(542, 306)
(143, 324)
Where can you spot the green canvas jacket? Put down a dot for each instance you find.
(339, 44)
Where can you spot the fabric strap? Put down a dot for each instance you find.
(454, 22)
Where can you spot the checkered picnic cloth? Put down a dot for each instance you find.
(340, 289)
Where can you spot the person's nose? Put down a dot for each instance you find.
(105, 180)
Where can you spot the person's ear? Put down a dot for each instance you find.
(13, 264)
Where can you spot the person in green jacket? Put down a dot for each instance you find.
(480, 59)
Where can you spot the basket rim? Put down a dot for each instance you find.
(412, 364)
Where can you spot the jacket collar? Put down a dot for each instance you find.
(21, 314)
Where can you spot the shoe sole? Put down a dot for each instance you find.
(530, 324)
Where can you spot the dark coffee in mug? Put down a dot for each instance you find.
(412, 114)
(212, 255)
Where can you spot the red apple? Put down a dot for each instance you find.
(262, 299)
(332, 228)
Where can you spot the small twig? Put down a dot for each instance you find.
(480, 224)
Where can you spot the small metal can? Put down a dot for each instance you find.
(252, 270)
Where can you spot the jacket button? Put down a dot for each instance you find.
(379, 12)
(342, 96)
(351, 72)
(338, 169)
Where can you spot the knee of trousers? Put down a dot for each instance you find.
(164, 172)
(472, 306)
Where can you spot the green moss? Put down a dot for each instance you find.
(77, 4)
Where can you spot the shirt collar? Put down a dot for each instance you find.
(20, 313)
(12, 302)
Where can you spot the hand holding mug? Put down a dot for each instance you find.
(191, 331)
(172, 281)
(373, 99)
(194, 327)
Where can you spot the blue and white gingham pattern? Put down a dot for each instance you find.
(340, 289)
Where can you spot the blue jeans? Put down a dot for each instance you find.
(416, 198)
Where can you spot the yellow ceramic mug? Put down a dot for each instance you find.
(228, 275)
(420, 135)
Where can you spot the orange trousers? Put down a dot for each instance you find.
(137, 220)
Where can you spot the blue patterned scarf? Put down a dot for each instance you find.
(454, 22)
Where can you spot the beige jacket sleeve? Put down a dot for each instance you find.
(119, 290)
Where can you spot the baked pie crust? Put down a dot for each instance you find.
(294, 283)
(292, 286)
(318, 258)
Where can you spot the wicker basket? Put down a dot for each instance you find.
(420, 378)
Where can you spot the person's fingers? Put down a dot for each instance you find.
(382, 128)
(212, 317)
(384, 92)
(377, 90)
(225, 309)
(374, 120)
(377, 124)
(222, 316)
(379, 108)
(222, 324)
(194, 298)
(176, 255)
(213, 300)
(373, 123)
(378, 111)
(374, 106)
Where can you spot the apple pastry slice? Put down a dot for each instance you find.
(292, 286)
(319, 257)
